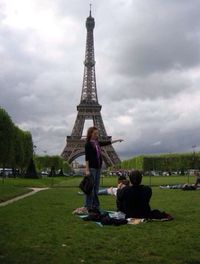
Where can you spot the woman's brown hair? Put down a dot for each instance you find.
(90, 131)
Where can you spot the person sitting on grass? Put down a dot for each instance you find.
(134, 200)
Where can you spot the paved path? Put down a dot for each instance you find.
(34, 190)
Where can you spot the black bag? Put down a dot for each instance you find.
(86, 185)
(157, 214)
(93, 215)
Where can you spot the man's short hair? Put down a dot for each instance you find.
(135, 177)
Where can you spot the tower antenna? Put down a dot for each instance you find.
(90, 9)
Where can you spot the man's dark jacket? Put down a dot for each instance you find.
(134, 201)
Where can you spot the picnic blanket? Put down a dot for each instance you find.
(103, 218)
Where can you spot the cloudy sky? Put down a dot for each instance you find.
(147, 68)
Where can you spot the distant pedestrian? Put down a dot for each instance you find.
(198, 179)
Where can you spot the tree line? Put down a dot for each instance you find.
(53, 165)
(16, 145)
(17, 152)
(163, 162)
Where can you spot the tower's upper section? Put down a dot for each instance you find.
(90, 22)
(89, 91)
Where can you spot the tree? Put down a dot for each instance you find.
(47, 162)
(16, 146)
(28, 147)
(31, 170)
(6, 139)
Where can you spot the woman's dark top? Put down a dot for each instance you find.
(91, 154)
(134, 201)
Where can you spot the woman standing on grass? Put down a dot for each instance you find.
(93, 158)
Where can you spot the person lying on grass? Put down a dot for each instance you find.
(121, 181)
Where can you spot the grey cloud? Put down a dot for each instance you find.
(145, 53)
(174, 142)
(48, 141)
(156, 36)
(152, 140)
(149, 51)
(158, 85)
(31, 84)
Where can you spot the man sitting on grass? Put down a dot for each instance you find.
(134, 200)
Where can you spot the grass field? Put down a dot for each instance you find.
(42, 229)
(12, 187)
(7, 192)
(105, 181)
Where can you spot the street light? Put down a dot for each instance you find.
(34, 149)
(193, 147)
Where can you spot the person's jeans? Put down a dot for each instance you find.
(103, 192)
(92, 200)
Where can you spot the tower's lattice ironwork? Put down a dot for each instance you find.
(89, 108)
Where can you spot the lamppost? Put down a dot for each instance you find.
(193, 147)
(152, 171)
(194, 163)
(34, 150)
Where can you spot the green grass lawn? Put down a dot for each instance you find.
(23, 182)
(7, 192)
(42, 229)
(71, 181)
(12, 187)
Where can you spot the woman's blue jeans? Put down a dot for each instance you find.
(92, 200)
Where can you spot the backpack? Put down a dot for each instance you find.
(95, 215)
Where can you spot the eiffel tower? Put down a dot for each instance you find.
(89, 108)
